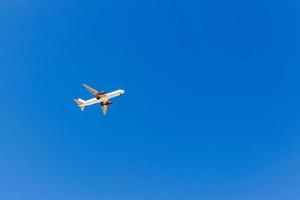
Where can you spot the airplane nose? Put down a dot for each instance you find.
(122, 91)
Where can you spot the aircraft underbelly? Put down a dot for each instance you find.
(91, 102)
(103, 99)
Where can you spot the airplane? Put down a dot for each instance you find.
(101, 97)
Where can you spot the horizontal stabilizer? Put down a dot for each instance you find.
(80, 103)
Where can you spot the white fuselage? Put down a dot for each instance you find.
(104, 98)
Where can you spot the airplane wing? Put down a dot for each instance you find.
(90, 89)
(104, 109)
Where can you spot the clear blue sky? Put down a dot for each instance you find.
(211, 109)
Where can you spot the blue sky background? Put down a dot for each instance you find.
(211, 109)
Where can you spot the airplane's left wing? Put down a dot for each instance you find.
(104, 109)
(90, 89)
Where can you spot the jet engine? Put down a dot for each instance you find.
(108, 103)
(100, 94)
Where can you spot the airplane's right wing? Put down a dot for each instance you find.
(90, 89)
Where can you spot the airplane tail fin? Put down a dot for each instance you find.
(80, 103)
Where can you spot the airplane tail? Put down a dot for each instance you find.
(80, 103)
